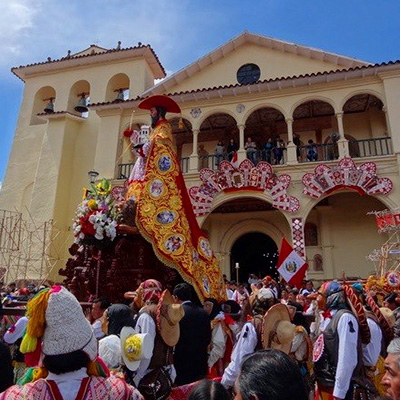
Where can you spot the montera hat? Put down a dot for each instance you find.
(168, 316)
(55, 316)
(160, 101)
(135, 347)
(278, 332)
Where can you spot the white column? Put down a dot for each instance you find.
(343, 144)
(194, 157)
(241, 151)
(291, 147)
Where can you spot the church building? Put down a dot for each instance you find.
(310, 146)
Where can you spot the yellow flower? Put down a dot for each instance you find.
(84, 193)
(92, 204)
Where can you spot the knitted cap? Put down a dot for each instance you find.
(67, 329)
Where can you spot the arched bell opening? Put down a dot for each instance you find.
(118, 88)
(79, 98)
(43, 102)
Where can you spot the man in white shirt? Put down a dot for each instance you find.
(338, 362)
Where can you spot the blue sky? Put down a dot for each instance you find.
(180, 31)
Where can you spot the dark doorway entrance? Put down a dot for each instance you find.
(257, 254)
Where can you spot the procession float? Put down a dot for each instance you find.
(144, 229)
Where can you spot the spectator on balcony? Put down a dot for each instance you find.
(231, 149)
(219, 152)
(203, 156)
(312, 151)
(278, 150)
(268, 150)
(297, 142)
(251, 150)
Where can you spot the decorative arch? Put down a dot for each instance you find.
(363, 179)
(119, 82)
(43, 96)
(378, 95)
(77, 88)
(313, 98)
(245, 178)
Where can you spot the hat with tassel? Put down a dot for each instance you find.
(56, 317)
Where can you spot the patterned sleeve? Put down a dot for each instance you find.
(135, 394)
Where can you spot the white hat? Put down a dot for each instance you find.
(135, 347)
(110, 351)
(67, 329)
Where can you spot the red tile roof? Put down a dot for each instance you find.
(72, 57)
(237, 85)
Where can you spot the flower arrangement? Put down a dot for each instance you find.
(96, 217)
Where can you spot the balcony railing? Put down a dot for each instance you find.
(316, 152)
(370, 147)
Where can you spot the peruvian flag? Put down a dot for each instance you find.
(234, 160)
(290, 265)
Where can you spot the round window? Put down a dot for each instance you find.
(248, 73)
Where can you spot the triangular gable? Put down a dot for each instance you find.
(276, 59)
(93, 49)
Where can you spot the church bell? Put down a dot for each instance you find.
(49, 109)
(81, 107)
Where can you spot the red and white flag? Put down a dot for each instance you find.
(290, 265)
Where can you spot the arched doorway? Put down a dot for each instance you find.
(255, 253)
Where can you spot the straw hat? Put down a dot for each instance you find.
(168, 316)
(135, 347)
(278, 332)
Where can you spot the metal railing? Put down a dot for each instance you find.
(310, 153)
(370, 147)
(317, 152)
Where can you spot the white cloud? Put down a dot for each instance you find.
(32, 30)
(17, 19)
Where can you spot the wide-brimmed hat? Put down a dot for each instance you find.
(278, 332)
(160, 101)
(168, 316)
(135, 347)
(357, 309)
(110, 350)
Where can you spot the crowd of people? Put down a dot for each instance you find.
(268, 340)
